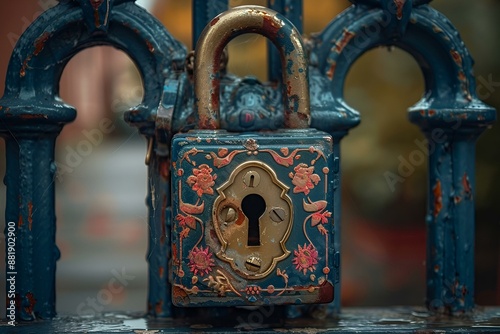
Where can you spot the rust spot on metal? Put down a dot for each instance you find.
(461, 76)
(161, 271)
(20, 222)
(302, 116)
(24, 67)
(399, 8)
(179, 295)
(214, 21)
(40, 43)
(465, 84)
(438, 198)
(1, 107)
(31, 303)
(325, 292)
(165, 169)
(436, 268)
(97, 18)
(436, 29)
(432, 112)
(344, 40)
(96, 4)
(158, 306)
(466, 185)
(206, 120)
(422, 112)
(331, 70)
(241, 218)
(151, 47)
(269, 25)
(175, 257)
(456, 57)
(30, 215)
(33, 116)
(288, 88)
(457, 199)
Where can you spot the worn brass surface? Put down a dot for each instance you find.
(238, 21)
(253, 262)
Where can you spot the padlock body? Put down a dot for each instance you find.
(252, 218)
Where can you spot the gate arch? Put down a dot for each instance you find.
(449, 104)
(32, 115)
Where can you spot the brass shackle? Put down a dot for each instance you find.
(270, 24)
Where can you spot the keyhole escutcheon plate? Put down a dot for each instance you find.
(249, 259)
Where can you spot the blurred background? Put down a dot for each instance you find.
(102, 217)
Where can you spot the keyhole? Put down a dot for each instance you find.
(252, 180)
(253, 207)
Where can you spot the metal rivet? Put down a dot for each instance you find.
(228, 214)
(251, 144)
(277, 215)
(253, 263)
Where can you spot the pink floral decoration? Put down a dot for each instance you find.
(304, 178)
(186, 221)
(202, 180)
(305, 258)
(200, 261)
(320, 217)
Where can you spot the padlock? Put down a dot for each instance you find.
(252, 212)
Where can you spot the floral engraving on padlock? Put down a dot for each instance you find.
(252, 212)
(228, 237)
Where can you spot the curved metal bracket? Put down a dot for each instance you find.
(430, 38)
(58, 34)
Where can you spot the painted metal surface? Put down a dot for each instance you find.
(293, 11)
(213, 260)
(203, 12)
(32, 115)
(216, 259)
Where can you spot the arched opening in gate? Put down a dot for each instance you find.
(101, 184)
(384, 183)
